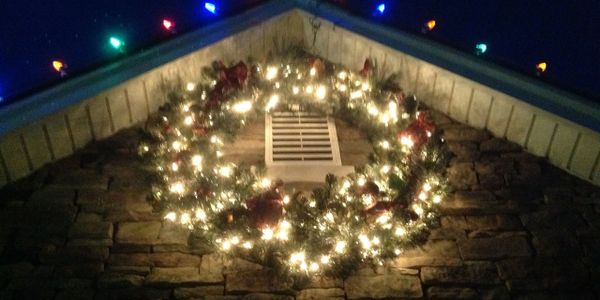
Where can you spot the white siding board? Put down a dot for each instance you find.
(335, 41)
(596, 174)
(410, 69)
(100, 119)
(585, 155)
(137, 101)
(3, 175)
(461, 97)
(14, 156)
(480, 108)
(362, 52)
(347, 47)
(442, 93)
(519, 125)
(322, 41)
(79, 124)
(562, 145)
(37, 147)
(541, 135)
(378, 55)
(295, 28)
(426, 82)
(154, 90)
(256, 43)
(499, 116)
(118, 108)
(58, 133)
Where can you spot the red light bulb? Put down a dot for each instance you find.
(168, 24)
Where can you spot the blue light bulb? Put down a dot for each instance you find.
(211, 7)
(381, 8)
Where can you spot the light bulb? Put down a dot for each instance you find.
(190, 86)
(196, 160)
(271, 73)
(177, 188)
(314, 267)
(176, 145)
(265, 183)
(200, 215)
(225, 171)
(171, 216)
(321, 92)
(400, 231)
(185, 218)
(242, 107)
(272, 102)
(267, 234)
(340, 247)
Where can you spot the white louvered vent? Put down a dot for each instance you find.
(301, 138)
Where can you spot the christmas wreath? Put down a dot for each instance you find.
(368, 216)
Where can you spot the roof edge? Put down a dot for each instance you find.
(76, 89)
(575, 108)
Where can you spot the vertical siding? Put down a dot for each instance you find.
(519, 125)
(80, 125)
(119, 108)
(4, 179)
(542, 131)
(563, 145)
(154, 89)
(100, 118)
(36, 145)
(500, 114)
(347, 47)
(426, 82)
(295, 26)
(585, 155)
(137, 100)
(256, 42)
(14, 156)
(480, 109)
(461, 100)
(442, 93)
(333, 47)
(58, 135)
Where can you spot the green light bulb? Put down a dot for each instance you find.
(481, 48)
(116, 43)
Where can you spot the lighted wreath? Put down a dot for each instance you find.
(368, 216)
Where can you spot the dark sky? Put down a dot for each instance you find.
(519, 33)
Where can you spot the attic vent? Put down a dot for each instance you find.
(301, 138)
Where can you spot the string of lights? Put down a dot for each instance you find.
(118, 42)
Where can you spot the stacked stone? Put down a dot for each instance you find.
(514, 228)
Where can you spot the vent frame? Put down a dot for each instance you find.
(295, 120)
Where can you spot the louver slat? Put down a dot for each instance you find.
(301, 137)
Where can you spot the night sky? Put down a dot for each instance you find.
(519, 34)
